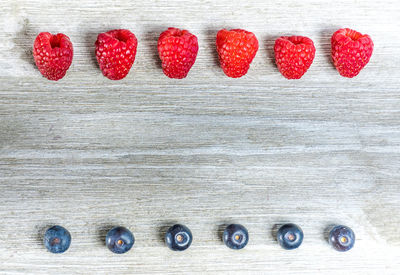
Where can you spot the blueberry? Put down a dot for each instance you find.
(342, 238)
(57, 239)
(235, 236)
(290, 236)
(119, 240)
(178, 237)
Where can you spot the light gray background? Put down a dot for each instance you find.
(145, 152)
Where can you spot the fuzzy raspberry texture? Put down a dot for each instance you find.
(178, 51)
(116, 52)
(236, 50)
(53, 54)
(351, 51)
(294, 55)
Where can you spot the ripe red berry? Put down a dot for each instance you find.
(236, 50)
(351, 51)
(53, 54)
(115, 53)
(177, 50)
(294, 55)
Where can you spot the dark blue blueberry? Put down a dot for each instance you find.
(178, 237)
(57, 239)
(342, 238)
(119, 240)
(290, 236)
(235, 236)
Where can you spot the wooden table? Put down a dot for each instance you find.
(147, 151)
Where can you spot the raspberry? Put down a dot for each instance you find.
(115, 52)
(236, 50)
(351, 51)
(294, 55)
(53, 54)
(177, 50)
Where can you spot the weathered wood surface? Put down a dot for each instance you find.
(88, 153)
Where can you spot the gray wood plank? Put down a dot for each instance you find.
(147, 151)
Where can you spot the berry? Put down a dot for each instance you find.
(177, 50)
(115, 53)
(294, 55)
(53, 54)
(57, 239)
(236, 50)
(351, 51)
(290, 236)
(119, 240)
(235, 236)
(342, 238)
(178, 237)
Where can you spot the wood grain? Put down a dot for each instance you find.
(147, 151)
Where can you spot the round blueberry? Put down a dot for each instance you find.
(57, 239)
(290, 236)
(235, 236)
(342, 238)
(178, 237)
(119, 240)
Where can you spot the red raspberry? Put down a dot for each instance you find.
(351, 51)
(115, 52)
(294, 55)
(53, 54)
(177, 50)
(236, 50)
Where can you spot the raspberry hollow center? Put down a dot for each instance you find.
(55, 42)
(296, 41)
(177, 33)
(354, 35)
(121, 36)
